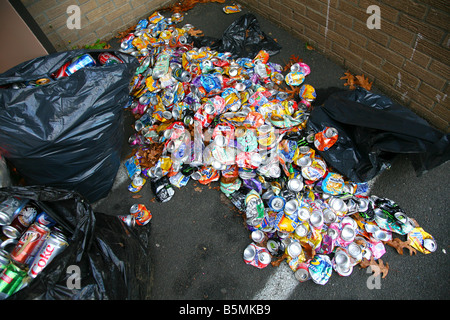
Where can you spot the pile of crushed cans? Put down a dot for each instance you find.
(204, 116)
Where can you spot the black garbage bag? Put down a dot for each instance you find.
(243, 39)
(67, 134)
(372, 130)
(110, 261)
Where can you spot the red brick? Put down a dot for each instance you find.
(430, 91)
(438, 18)
(425, 75)
(340, 19)
(429, 116)
(433, 50)
(385, 53)
(336, 37)
(387, 13)
(410, 7)
(440, 69)
(397, 32)
(377, 35)
(426, 30)
(353, 36)
(407, 51)
(402, 77)
(347, 54)
(442, 110)
(381, 78)
(374, 59)
(318, 17)
(350, 9)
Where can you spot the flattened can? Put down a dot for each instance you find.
(141, 214)
(302, 273)
(54, 245)
(277, 203)
(320, 269)
(29, 243)
(11, 280)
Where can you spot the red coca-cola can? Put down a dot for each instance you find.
(29, 243)
(61, 72)
(106, 58)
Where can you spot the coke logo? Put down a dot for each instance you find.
(42, 260)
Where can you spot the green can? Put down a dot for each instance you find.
(4, 259)
(11, 280)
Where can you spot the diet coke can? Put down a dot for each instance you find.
(53, 246)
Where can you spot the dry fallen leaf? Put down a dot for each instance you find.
(309, 251)
(279, 260)
(195, 33)
(376, 267)
(399, 245)
(364, 82)
(353, 81)
(186, 5)
(350, 80)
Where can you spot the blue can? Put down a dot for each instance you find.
(277, 203)
(81, 62)
(44, 219)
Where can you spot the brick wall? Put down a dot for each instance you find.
(100, 19)
(407, 58)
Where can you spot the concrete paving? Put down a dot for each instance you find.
(196, 240)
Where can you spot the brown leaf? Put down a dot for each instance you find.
(195, 33)
(376, 267)
(309, 251)
(399, 245)
(350, 80)
(353, 81)
(364, 82)
(279, 260)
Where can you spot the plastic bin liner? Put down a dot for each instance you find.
(372, 130)
(66, 134)
(243, 39)
(112, 261)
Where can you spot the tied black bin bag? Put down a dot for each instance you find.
(242, 38)
(372, 130)
(111, 261)
(68, 133)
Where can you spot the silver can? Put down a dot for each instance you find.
(249, 253)
(329, 216)
(303, 214)
(294, 249)
(302, 273)
(10, 208)
(258, 236)
(295, 185)
(53, 246)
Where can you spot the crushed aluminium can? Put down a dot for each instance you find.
(141, 214)
(320, 269)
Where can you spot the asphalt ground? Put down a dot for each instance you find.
(196, 240)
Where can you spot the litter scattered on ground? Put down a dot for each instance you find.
(241, 122)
